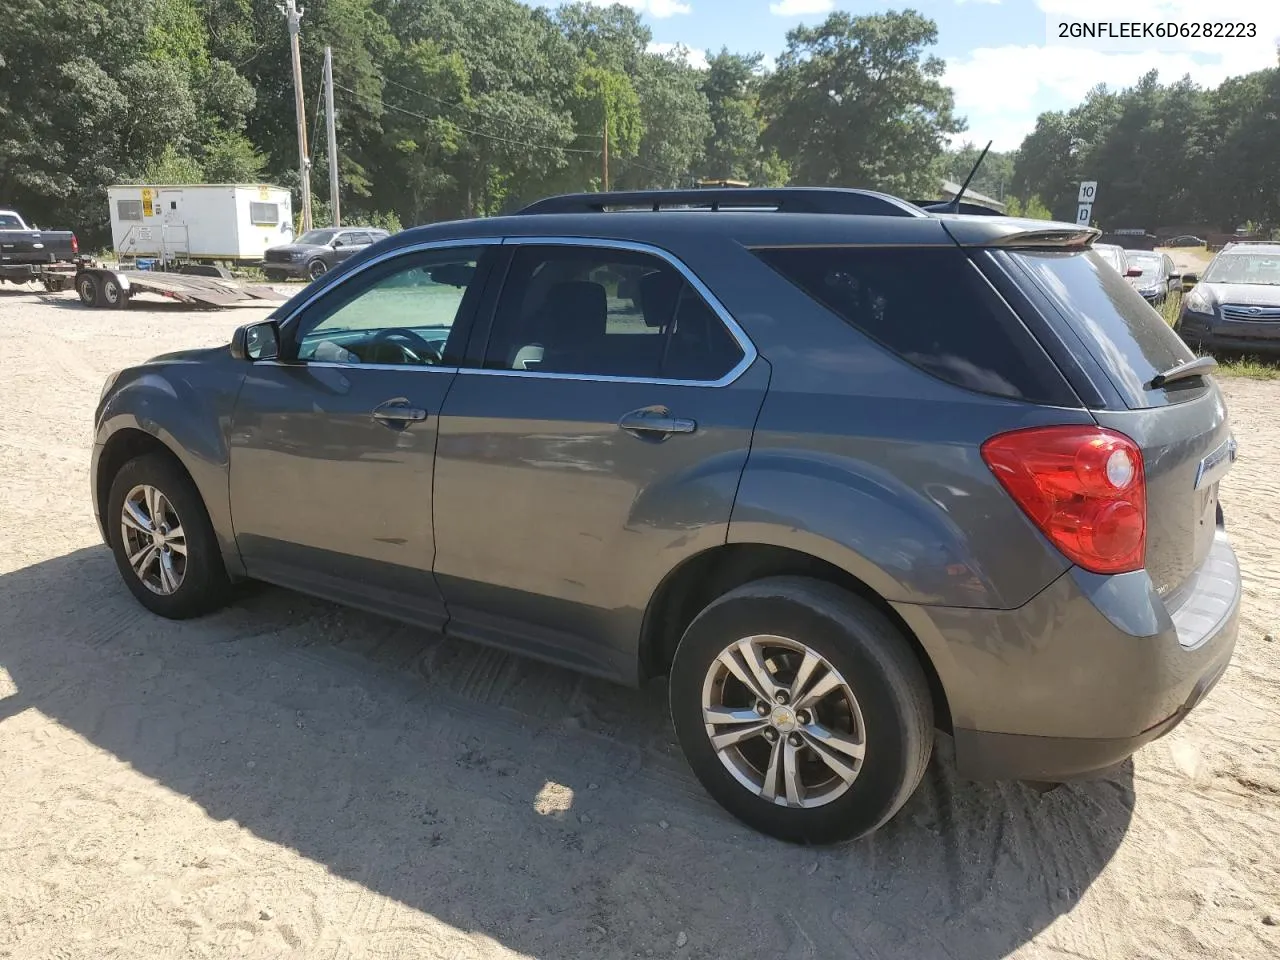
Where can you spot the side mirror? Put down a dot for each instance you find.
(337, 242)
(256, 341)
(1189, 280)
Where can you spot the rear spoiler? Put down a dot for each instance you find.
(1009, 233)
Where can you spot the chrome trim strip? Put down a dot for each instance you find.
(748, 348)
(1217, 464)
(332, 365)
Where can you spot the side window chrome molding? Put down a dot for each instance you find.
(748, 348)
(749, 354)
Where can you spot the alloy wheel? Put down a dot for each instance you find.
(154, 541)
(783, 721)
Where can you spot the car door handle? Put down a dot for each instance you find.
(398, 411)
(655, 423)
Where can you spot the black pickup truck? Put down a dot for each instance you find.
(26, 254)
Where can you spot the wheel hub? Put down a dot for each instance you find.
(783, 719)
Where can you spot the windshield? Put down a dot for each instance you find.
(1262, 269)
(1151, 267)
(317, 237)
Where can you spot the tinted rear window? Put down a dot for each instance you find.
(1128, 338)
(931, 307)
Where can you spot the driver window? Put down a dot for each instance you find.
(403, 316)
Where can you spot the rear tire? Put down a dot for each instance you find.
(113, 295)
(202, 584)
(857, 651)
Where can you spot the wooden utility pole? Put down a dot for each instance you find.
(331, 130)
(293, 15)
(606, 148)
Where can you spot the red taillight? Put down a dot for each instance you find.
(1083, 486)
(75, 244)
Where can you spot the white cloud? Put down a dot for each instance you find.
(961, 2)
(678, 51)
(799, 8)
(1001, 89)
(658, 9)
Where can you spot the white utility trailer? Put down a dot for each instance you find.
(230, 222)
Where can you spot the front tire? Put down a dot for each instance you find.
(162, 539)
(820, 712)
(317, 269)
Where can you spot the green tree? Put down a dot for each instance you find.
(675, 123)
(733, 148)
(857, 101)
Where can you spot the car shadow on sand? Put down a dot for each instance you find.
(517, 801)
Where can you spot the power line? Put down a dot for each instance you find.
(489, 136)
(462, 106)
(477, 133)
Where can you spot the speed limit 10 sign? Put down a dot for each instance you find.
(1088, 191)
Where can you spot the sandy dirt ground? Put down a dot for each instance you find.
(291, 779)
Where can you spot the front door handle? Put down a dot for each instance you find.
(655, 423)
(398, 411)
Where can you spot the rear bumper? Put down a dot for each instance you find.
(1074, 682)
(1009, 756)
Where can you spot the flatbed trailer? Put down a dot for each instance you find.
(54, 276)
(99, 286)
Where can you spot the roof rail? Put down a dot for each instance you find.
(781, 200)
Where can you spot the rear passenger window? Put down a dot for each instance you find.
(606, 313)
(931, 307)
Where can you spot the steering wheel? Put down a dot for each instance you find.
(418, 349)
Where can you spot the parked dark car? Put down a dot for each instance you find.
(25, 250)
(1185, 240)
(1157, 279)
(842, 469)
(317, 252)
(1235, 304)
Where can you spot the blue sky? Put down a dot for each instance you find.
(999, 61)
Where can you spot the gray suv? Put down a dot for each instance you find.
(317, 252)
(843, 469)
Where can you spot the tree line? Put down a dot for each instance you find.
(1163, 154)
(456, 109)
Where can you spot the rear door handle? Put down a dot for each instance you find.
(655, 423)
(398, 411)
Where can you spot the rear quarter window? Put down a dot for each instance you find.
(932, 307)
(1123, 333)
